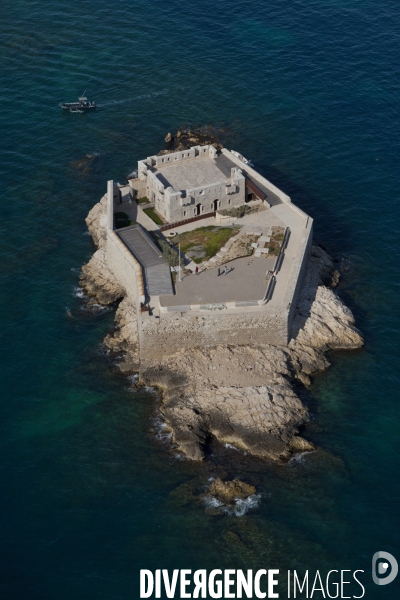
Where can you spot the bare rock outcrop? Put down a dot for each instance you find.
(229, 491)
(96, 279)
(98, 282)
(241, 395)
(125, 337)
(96, 221)
(186, 138)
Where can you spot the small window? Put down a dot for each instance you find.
(188, 153)
(176, 158)
(229, 201)
(162, 160)
(184, 213)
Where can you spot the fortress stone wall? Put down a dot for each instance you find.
(163, 334)
(161, 337)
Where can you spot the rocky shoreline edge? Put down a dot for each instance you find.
(243, 396)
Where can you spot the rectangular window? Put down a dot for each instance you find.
(229, 201)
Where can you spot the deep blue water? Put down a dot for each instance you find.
(310, 91)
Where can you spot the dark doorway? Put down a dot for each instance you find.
(198, 209)
(216, 203)
(250, 197)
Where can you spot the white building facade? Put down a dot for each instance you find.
(191, 183)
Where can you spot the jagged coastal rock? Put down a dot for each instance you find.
(229, 491)
(242, 395)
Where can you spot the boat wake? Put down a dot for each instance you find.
(133, 98)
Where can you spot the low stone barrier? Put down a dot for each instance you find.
(186, 221)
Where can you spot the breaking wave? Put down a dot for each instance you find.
(231, 447)
(239, 509)
(300, 457)
(160, 428)
(78, 292)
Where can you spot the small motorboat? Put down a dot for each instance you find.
(82, 105)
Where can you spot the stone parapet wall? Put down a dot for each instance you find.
(297, 272)
(162, 337)
(256, 176)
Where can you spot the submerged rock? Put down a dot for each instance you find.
(229, 491)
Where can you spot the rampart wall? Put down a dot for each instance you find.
(167, 333)
(297, 272)
(123, 265)
(167, 336)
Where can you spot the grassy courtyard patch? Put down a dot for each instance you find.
(150, 212)
(277, 237)
(204, 242)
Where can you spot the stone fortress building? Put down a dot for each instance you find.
(191, 183)
(255, 303)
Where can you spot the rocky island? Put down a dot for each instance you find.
(227, 348)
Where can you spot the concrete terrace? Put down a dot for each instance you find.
(244, 282)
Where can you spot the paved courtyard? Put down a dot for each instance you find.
(244, 282)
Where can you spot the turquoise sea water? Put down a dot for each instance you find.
(310, 91)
